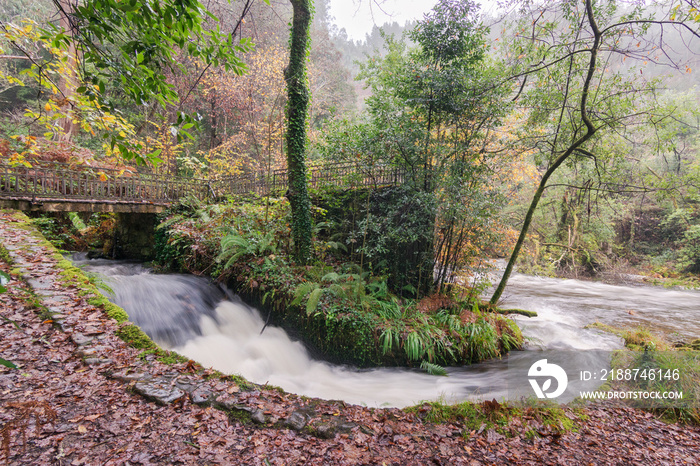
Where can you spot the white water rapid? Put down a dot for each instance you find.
(191, 316)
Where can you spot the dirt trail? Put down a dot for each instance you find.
(80, 395)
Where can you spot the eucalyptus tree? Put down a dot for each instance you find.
(572, 64)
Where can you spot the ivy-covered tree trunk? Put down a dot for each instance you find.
(297, 109)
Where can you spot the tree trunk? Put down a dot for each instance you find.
(590, 130)
(297, 110)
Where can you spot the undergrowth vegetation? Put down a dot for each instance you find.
(659, 367)
(340, 307)
(531, 418)
(77, 232)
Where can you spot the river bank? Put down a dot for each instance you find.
(341, 307)
(61, 405)
(623, 274)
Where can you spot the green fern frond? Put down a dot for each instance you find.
(338, 291)
(171, 221)
(336, 246)
(312, 303)
(330, 277)
(433, 369)
(414, 347)
(389, 339)
(302, 291)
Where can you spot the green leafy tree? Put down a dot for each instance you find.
(134, 45)
(431, 114)
(567, 59)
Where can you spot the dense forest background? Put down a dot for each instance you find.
(628, 201)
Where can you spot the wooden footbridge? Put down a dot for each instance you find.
(54, 187)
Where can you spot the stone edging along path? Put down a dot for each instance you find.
(82, 395)
(56, 282)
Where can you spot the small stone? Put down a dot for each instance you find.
(130, 377)
(225, 402)
(80, 339)
(85, 352)
(93, 361)
(159, 391)
(201, 396)
(296, 420)
(258, 416)
(326, 431)
(62, 325)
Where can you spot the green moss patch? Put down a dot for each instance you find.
(135, 337)
(531, 418)
(5, 255)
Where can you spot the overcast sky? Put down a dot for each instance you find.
(358, 16)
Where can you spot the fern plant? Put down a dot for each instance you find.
(433, 369)
(235, 246)
(346, 286)
(311, 291)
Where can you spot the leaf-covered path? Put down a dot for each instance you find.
(73, 400)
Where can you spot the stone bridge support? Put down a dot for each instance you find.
(134, 236)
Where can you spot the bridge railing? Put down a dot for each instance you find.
(350, 175)
(57, 181)
(62, 181)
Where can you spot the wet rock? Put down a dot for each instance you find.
(62, 325)
(258, 416)
(226, 402)
(44, 294)
(201, 396)
(296, 420)
(96, 254)
(158, 390)
(241, 412)
(128, 377)
(93, 331)
(92, 351)
(345, 426)
(85, 352)
(41, 283)
(80, 339)
(186, 384)
(93, 361)
(327, 430)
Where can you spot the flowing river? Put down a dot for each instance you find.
(190, 315)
